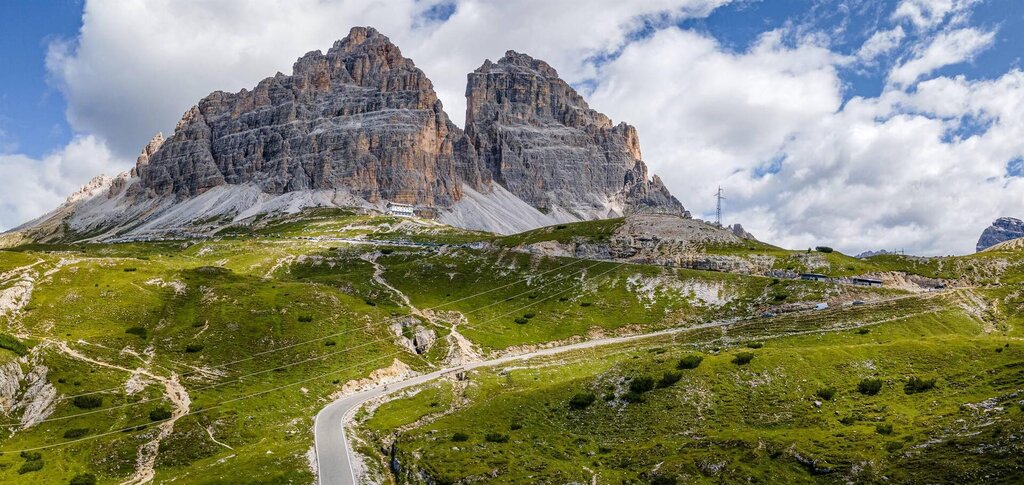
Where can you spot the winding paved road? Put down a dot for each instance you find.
(334, 455)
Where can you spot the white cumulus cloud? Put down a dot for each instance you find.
(945, 49)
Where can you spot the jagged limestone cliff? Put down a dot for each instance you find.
(360, 126)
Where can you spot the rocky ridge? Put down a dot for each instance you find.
(1003, 229)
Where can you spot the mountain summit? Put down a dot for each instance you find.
(1003, 229)
(361, 126)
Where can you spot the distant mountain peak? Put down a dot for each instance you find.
(1003, 229)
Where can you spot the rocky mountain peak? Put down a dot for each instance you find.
(147, 151)
(361, 125)
(1003, 229)
(513, 59)
(360, 118)
(540, 140)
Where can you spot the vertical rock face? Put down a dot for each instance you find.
(1003, 229)
(360, 117)
(540, 140)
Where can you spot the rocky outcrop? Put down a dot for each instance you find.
(1003, 229)
(361, 116)
(665, 240)
(738, 230)
(540, 140)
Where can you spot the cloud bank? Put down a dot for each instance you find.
(923, 164)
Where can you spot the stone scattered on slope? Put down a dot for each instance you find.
(1003, 229)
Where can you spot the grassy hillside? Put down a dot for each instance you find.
(190, 360)
(792, 414)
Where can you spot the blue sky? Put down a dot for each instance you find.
(31, 110)
(838, 122)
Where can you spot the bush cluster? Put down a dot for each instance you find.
(826, 393)
(824, 249)
(869, 386)
(496, 438)
(83, 479)
(883, 428)
(76, 433)
(87, 402)
(755, 345)
(641, 384)
(582, 400)
(33, 462)
(460, 437)
(13, 344)
(669, 378)
(139, 331)
(915, 385)
(193, 348)
(743, 358)
(159, 414)
(689, 362)
(305, 318)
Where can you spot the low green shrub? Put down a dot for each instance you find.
(915, 385)
(824, 249)
(130, 270)
(76, 433)
(863, 331)
(369, 302)
(869, 386)
(641, 384)
(33, 462)
(826, 393)
(883, 428)
(755, 345)
(30, 466)
(529, 315)
(330, 343)
(460, 437)
(496, 438)
(632, 397)
(305, 318)
(31, 455)
(87, 402)
(585, 304)
(83, 479)
(159, 414)
(689, 362)
(743, 358)
(193, 348)
(522, 321)
(582, 400)
(669, 378)
(139, 331)
(12, 343)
